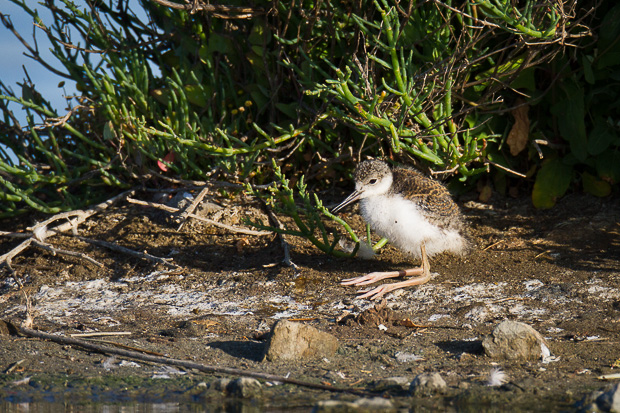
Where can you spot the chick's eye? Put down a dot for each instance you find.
(373, 181)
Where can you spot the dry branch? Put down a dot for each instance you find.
(287, 255)
(124, 250)
(39, 233)
(180, 363)
(55, 251)
(199, 218)
(190, 209)
(217, 10)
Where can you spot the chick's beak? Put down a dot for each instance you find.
(350, 199)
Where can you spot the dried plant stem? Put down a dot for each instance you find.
(55, 251)
(199, 218)
(190, 209)
(180, 363)
(287, 254)
(39, 233)
(128, 251)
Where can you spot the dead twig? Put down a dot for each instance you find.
(217, 10)
(190, 209)
(501, 300)
(102, 333)
(15, 234)
(181, 363)
(285, 248)
(542, 253)
(519, 174)
(60, 121)
(197, 217)
(13, 366)
(190, 184)
(126, 347)
(493, 245)
(6, 258)
(115, 247)
(84, 215)
(55, 251)
(40, 232)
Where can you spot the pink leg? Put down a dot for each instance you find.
(423, 271)
(373, 277)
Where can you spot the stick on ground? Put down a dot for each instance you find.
(180, 363)
(199, 218)
(40, 232)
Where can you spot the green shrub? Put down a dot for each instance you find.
(222, 93)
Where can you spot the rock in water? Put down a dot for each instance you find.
(245, 387)
(426, 384)
(295, 341)
(605, 400)
(375, 404)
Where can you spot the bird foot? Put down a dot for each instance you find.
(373, 277)
(381, 290)
(423, 273)
(376, 292)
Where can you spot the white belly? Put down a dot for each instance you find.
(402, 223)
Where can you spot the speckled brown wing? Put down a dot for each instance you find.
(432, 197)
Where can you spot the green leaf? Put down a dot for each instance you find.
(108, 132)
(601, 137)
(608, 45)
(219, 43)
(196, 95)
(497, 72)
(258, 35)
(608, 166)
(570, 112)
(258, 96)
(525, 80)
(552, 181)
(588, 73)
(595, 186)
(289, 110)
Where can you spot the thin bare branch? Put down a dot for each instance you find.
(55, 251)
(199, 218)
(190, 209)
(115, 247)
(64, 340)
(218, 10)
(40, 232)
(6, 21)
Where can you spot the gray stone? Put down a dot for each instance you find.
(404, 357)
(512, 340)
(589, 402)
(375, 404)
(335, 406)
(220, 384)
(392, 383)
(427, 383)
(295, 341)
(609, 401)
(245, 387)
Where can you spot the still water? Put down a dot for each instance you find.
(139, 407)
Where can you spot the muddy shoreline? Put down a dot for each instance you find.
(558, 271)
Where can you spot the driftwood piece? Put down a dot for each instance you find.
(64, 340)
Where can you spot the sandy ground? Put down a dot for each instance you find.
(557, 270)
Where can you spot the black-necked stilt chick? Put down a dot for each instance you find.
(416, 213)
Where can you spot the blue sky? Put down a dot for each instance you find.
(13, 59)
